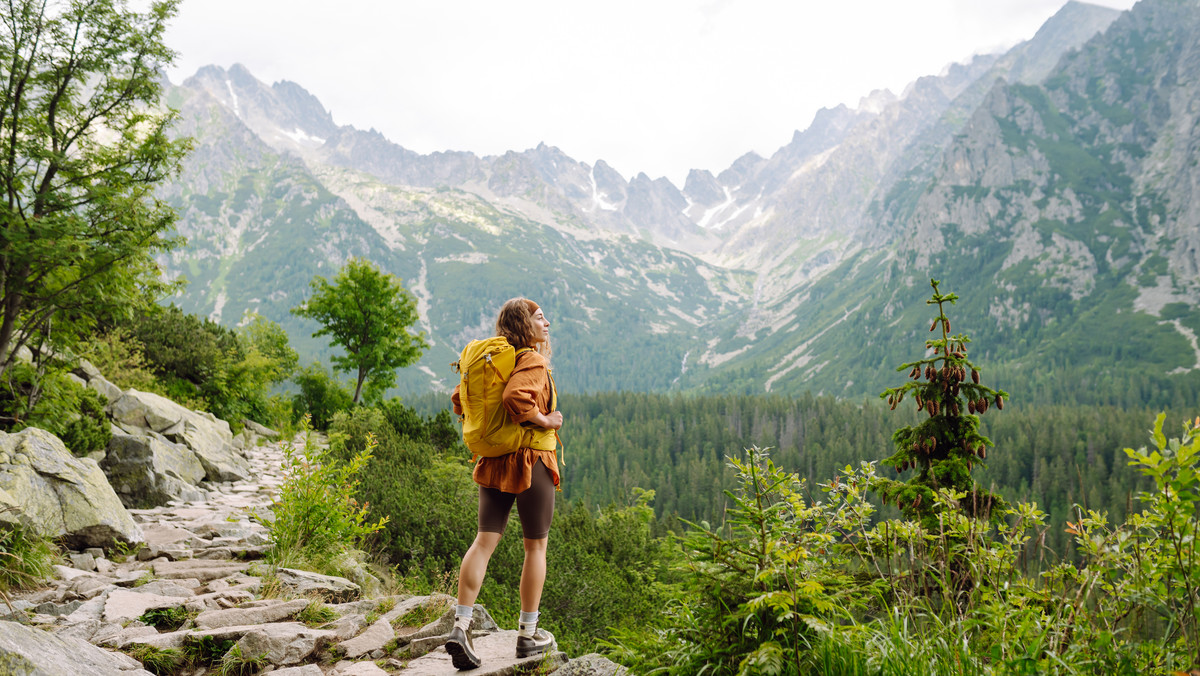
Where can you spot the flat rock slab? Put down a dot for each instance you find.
(165, 534)
(497, 651)
(591, 664)
(359, 669)
(306, 670)
(284, 643)
(123, 604)
(204, 571)
(30, 652)
(213, 619)
(374, 638)
(331, 589)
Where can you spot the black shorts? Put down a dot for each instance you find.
(535, 506)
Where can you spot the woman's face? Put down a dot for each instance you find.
(543, 326)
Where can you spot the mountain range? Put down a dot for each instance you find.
(1054, 187)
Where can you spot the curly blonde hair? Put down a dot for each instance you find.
(515, 322)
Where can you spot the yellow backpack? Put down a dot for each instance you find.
(485, 367)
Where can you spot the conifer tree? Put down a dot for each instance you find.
(944, 447)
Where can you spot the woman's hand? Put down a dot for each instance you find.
(551, 421)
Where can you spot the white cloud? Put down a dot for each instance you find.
(658, 86)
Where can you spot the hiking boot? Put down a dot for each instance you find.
(541, 642)
(462, 651)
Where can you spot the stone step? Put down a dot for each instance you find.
(497, 653)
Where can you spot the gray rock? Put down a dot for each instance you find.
(374, 638)
(165, 588)
(359, 669)
(330, 588)
(284, 643)
(348, 626)
(497, 651)
(591, 664)
(306, 670)
(260, 430)
(57, 609)
(201, 570)
(90, 586)
(60, 495)
(83, 561)
(208, 438)
(124, 605)
(146, 471)
(30, 652)
(165, 534)
(90, 610)
(84, 629)
(260, 615)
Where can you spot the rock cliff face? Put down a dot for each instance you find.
(1044, 184)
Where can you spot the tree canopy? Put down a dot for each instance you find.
(367, 313)
(83, 145)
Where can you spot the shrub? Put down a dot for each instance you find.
(51, 401)
(200, 363)
(318, 520)
(320, 396)
(118, 355)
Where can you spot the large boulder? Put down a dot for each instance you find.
(209, 438)
(30, 652)
(59, 495)
(146, 470)
(92, 378)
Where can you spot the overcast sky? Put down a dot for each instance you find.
(654, 86)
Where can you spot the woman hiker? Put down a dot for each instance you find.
(527, 477)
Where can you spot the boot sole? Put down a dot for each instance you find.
(530, 652)
(459, 655)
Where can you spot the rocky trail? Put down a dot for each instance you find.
(198, 576)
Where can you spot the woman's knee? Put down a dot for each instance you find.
(536, 546)
(485, 542)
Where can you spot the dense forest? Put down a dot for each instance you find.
(678, 446)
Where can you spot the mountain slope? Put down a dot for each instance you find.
(1052, 186)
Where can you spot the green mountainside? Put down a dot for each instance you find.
(1057, 200)
(1064, 215)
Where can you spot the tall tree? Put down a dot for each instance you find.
(83, 144)
(943, 448)
(367, 313)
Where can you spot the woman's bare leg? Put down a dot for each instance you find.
(474, 567)
(533, 574)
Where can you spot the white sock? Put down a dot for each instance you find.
(527, 625)
(462, 616)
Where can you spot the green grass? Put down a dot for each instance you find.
(158, 661)
(234, 663)
(316, 613)
(422, 615)
(26, 558)
(168, 619)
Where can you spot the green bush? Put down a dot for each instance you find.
(318, 520)
(201, 364)
(320, 396)
(52, 401)
(119, 357)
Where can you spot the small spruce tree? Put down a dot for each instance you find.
(946, 445)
